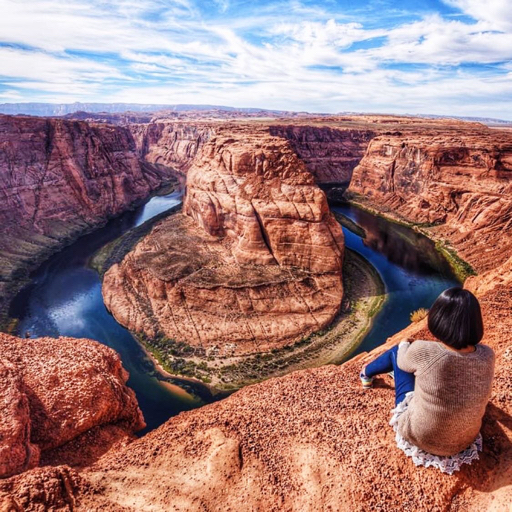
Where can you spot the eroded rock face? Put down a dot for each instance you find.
(330, 153)
(17, 453)
(58, 179)
(56, 390)
(459, 182)
(312, 440)
(255, 264)
(171, 144)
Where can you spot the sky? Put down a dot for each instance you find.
(446, 57)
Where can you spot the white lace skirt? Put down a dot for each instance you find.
(447, 464)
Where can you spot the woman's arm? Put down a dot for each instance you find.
(405, 357)
(418, 356)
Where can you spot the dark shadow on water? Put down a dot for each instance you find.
(413, 271)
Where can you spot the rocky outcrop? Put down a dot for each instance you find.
(17, 453)
(171, 144)
(459, 184)
(56, 390)
(59, 179)
(254, 264)
(330, 153)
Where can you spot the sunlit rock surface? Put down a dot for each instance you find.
(312, 440)
(54, 391)
(458, 184)
(253, 264)
(330, 153)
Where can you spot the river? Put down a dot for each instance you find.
(64, 298)
(413, 271)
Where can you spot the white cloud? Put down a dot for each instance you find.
(497, 13)
(168, 51)
(439, 42)
(32, 65)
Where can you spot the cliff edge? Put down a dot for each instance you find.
(64, 400)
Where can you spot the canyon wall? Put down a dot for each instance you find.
(312, 440)
(171, 144)
(58, 179)
(330, 153)
(253, 264)
(459, 184)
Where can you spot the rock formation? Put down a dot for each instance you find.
(329, 152)
(58, 179)
(171, 144)
(459, 183)
(254, 264)
(17, 453)
(54, 392)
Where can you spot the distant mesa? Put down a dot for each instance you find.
(62, 109)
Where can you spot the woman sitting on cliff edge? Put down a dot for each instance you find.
(442, 387)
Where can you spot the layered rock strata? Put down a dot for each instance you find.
(54, 392)
(254, 264)
(171, 144)
(58, 179)
(458, 184)
(330, 153)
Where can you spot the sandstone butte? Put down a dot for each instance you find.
(312, 440)
(253, 263)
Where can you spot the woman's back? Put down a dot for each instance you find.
(450, 395)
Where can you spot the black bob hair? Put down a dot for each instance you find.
(455, 318)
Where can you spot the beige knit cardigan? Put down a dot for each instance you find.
(451, 392)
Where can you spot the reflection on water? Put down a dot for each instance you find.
(413, 271)
(64, 299)
(400, 244)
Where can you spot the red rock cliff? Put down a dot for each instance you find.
(259, 265)
(459, 181)
(312, 440)
(171, 144)
(330, 153)
(59, 178)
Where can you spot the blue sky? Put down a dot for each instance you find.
(431, 56)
